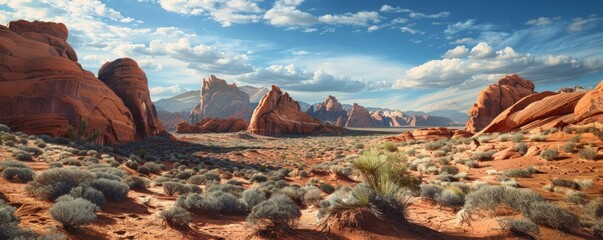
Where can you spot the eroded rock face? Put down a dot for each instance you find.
(393, 118)
(328, 111)
(130, 83)
(495, 99)
(43, 88)
(170, 120)
(359, 117)
(432, 133)
(279, 114)
(222, 100)
(590, 107)
(213, 125)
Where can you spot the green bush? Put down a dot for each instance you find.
(588, 153)
(135, 182)
(258, 178)
(90, 194)
(390, 146)
(277, 214)
(56, 182)
(520, 227)
(74, 213)
(430, 191)
(171, 188)
(176, 217)
(569, 148)
(111, 189)
(448, 169)
(22, 174)
(312, 196)
(576, 197)
(23, 156)
(204, 178)
(326, 188)
(450, 198)
(253, 196)
(552, 215)
(549, 154)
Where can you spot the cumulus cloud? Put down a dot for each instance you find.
(457, 52)
(162, 92)
(481, 50)
(225, 12)
(578, 24)
(473, 71)
(286, 14)
(362, 18)
(541, 21)
(289, 16)
(373, 28)
(410, 30)
(292, 78)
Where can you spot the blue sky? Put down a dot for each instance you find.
(408, 55)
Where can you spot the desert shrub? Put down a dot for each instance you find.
(549, 154)
(253, 196)
(449, 169)
(277, 214)
(111, 189)
(171, 188)
(41, 145)
(451, 198)
(205, 178)
(588, 153)
(224, 203)
(88, 193)
(134, 165)
(55, 182)
(4, 128)
(326, 188)
(565, 183)
(258, 178)
(504, 137)
(390, 146)
(484, 139)
(312, 196)
(435, 145)
(538, 138)
(74, 213)
(520, 227)
(176, 217)
(576, 197)
(569, 148)
(143, 170)
(184, 175)
(517, 173)
(153, 167)
(552, 215)
(439, 153)
(9, 137)
(411, 152)
(22, 174)
(483, 156)
(23, 156)
(234, 182)
(575, 139)
(135, 182)
(32, 150)
(471, 163)
(430, 191)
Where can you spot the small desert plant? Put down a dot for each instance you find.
(520, 227)
(111, 189)
(74, 212)
(569, 148)
(549, 214)
(517, 137)
(588, 153)
(55, 182)
(390, 146)
(576, 197)
(90, 194)
(451, 197)
(23, 156)
(517, 173)
(538, 138)
(277, 214)
(448, 169)
(484, 138)
(471, 163)
(176, 217)
(258, 178)
(135, 182)
(549, 154)
(312, 197)
(82, 135)
(253, 196)
(483, 156)
(22, 174)
(171, 188)
(326, 188)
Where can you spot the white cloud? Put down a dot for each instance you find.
(482, 50)
(300, 52)
(422, 15)
(169, 91)
(410, 30)
(388, 8)
(225, 12)
(399, 20)
(579, 23)
(168, 31)
(468, 25)
(373, 28)
(149, 64)
(362, 18)
(457, 52)
(473, 72)
(462, 41)
(289, 16)
(541, 21)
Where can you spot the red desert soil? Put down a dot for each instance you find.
(137, 217)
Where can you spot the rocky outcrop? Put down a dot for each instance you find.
(43, 88)
(495, 98)
(430, 134)
(393, 118)
(328, 111)
(279, 114)
(213, 125)
(590, 107)
(222, 100)
(359, 117)
(170, 120)
(130, 83)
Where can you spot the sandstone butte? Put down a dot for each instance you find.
(431, 134)
(43, 88)
(330, 110)
(277, 114)
(495, 98)
(359, 117)
(213, 125)
(545, 110)
(222, 100)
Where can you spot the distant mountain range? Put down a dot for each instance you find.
(185, 102)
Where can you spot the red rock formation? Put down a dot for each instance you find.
(403, 137)
(328, 111)
(170, 120)
(590, 107)
(43, 88)
(461, 134)
(222, 100)
(130, 83)
(432, 133)
(340, 122)
(278, 114)
(495, 99)
(359, 117)
(213, 125)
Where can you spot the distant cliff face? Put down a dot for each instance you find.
(329, 111)
(43, 88)
(495, 98)
(222, 100)
(359, 117)
(277, 113)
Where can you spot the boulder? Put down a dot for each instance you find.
(359, 117)
(130, 83)
(590, 107)
(495, 98)
(43, 88)
(436, 133)
(505, 154)
(213, 125)
(457, 133)
(403, 137)
(277, 113)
